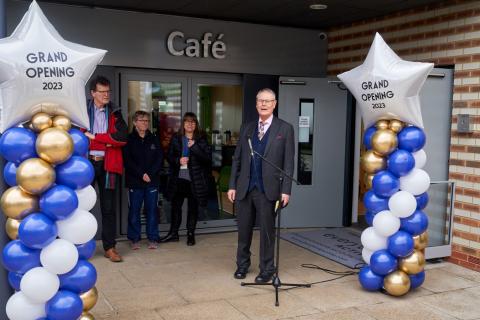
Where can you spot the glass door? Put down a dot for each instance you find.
(217, 101)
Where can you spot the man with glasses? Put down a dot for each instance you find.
(107, 133)
(255, 185)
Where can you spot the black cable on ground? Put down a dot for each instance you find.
(339, 274)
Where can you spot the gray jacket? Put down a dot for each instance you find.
(280, 150)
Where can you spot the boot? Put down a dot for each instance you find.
(190, 238)
(172, 236)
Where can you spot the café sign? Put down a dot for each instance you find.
(207, 46)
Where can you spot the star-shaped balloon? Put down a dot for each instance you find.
(40, 71)
(387, 87)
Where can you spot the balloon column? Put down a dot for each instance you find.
(48, 202)
(386, 89)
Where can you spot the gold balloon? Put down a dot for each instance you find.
(11, 227)
(62, 122)
(384, 142)
(421, 241)
(17, 204)
(86, 316)
(396, 125)
(35, 176)
(382, 124)
(413, 264)
(54, 145)
(397, 283)
(372, 162)
(89, 298)
(368, 181)
(41, 121)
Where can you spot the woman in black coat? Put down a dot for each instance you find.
(190, 159)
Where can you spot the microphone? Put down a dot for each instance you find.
(250, 145)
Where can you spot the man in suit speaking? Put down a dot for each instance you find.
(255, 185)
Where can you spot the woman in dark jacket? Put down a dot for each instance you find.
(143, 158)
(190, 159)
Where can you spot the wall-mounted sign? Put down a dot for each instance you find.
(208, 46)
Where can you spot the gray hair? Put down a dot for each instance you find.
(267, 90)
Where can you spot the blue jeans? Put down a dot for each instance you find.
(149, 197)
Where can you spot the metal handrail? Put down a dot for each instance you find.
(452, 206)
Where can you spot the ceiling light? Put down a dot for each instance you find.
(318, 6)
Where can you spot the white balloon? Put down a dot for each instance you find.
(59, 257)
(402, 204)
(19, 307)
(39, 285)
(387, 87)
(79, 228)
(416, 182)
(420, 158)
(372, 240)
(385, 223)
(40, 71)
(366, 255)
(87, 197)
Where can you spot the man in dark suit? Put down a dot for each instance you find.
(255, 185)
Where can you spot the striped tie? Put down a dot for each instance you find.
(261, 130)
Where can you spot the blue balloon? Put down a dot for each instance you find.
(385, 184)
(80, 142)
(415, 224)
(374, 203)
(18, 144)
(367, 137)
(369, 217)
(19, 258)
(400, 244)
(411, 139)
(37, 231)
(14, 280)
(369, 280)
(76, 173)
(416, 280)
(86, 250)
(10, 174)
(80, 279)
(65, 305)
(382, 262)
(59, 202)
(400, 162)
(422, 200)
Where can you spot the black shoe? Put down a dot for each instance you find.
(170, 237)
(240, 273)
(264, 277)
(190, 239)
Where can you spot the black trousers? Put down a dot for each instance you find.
(184, 190)
(107, 206)
(256, 203)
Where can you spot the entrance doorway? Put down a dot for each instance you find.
(166, 95)
(319, 112)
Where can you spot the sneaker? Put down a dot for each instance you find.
(135, 245)
(152, 245)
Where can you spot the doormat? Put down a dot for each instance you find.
(341, 245)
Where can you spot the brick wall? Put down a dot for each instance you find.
(445, 34)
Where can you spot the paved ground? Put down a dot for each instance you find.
(176, 282)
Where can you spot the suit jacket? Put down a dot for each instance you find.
(280, 150)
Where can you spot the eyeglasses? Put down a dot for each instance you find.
(265, 101)
(190, 121)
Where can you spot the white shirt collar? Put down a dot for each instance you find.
(266, 122)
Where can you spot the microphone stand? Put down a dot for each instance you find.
(276, 283)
